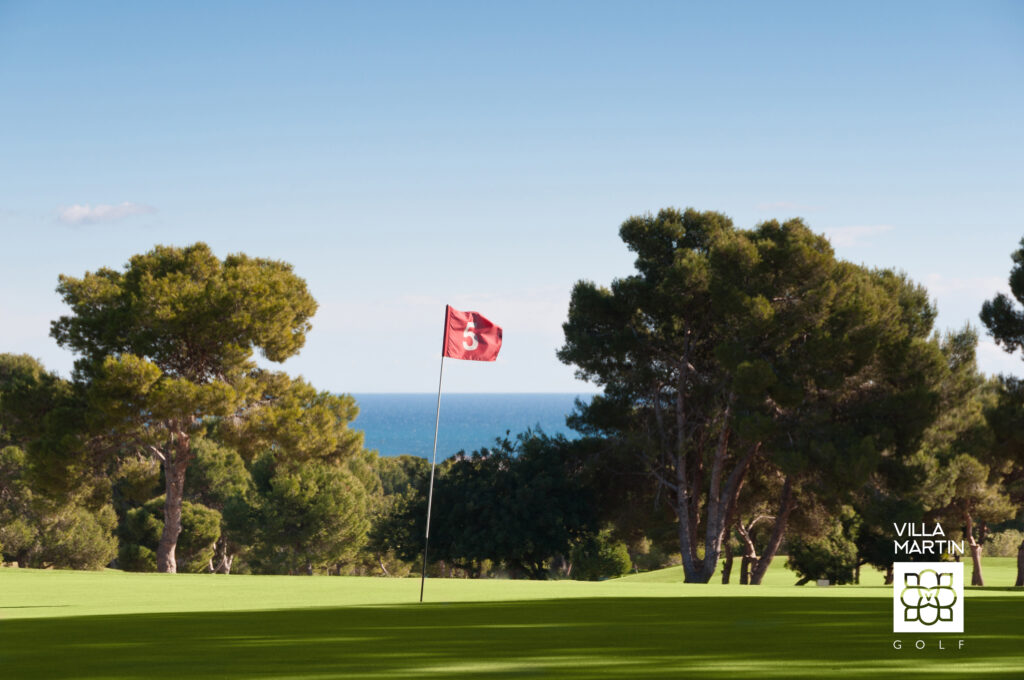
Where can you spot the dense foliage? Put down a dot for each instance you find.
(519, 503)
(729, 349)
(599, 556)
(47, 519)
(1003, 317)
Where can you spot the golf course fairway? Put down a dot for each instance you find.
(65, 624)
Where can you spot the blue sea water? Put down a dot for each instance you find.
(404, 423)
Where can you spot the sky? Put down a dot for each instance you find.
(404, 156)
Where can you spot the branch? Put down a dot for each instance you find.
(663, 481)
(757, 520)
(736, 477)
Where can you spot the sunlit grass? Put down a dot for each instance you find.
(114, 625)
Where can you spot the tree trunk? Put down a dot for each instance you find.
(687, 505)
(175, 463)
(221, 561)
(745, 565)
(727, 564)
(749, 551)
(976, 576)
(718, 498)
(888, 575)
(778, 532)
(719, 512)
(692, 567)
(1020, 565)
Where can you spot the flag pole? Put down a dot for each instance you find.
(433, 460)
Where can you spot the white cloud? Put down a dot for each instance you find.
(91, 214)
(855, 235)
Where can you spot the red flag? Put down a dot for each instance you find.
(468, 335)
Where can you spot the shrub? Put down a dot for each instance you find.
(76, 538)
(1004, 544)
(831, 556)
(599, 556)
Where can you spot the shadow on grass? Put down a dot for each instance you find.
(722, 637)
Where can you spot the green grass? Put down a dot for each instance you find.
(998, 571)
(59, 624)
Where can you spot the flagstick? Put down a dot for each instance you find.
(433, 463)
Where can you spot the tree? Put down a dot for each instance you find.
(42, 532)
(166, 348)
(754, 518)
(630, 499)
(830, 554)
(898, 492)
(1003, 317)
(60, 520)
(1006, 417)
(399, 478)
(219, 476)
(142, 527)
(976, 500)
(728, 346)
(970, 472)
(519, 503)
(300, 518)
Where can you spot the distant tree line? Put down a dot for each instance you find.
(760, 397)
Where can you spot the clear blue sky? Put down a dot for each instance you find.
(407, 155)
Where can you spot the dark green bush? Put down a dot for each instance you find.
(832, 556)
(599, 556)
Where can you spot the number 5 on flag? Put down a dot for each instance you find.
(470, 335)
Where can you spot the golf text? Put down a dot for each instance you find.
(921, 644)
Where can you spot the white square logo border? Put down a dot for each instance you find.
(928, 597)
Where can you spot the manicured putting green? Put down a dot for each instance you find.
(115, 625)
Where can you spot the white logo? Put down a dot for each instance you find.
(928, 597)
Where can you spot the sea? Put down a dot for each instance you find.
(396, 424)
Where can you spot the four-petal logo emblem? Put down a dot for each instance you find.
(928, 597)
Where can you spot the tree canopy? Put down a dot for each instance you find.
(520, 503)
(730, 345)
(166, 352)
(1003, 317)
(47, 519)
